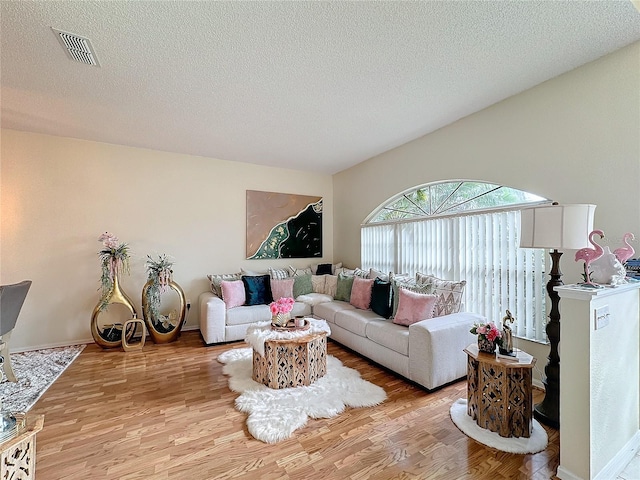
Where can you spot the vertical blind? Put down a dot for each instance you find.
(482, 249)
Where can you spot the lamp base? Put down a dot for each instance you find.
(548, 411)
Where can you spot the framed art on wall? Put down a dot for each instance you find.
(283, 225)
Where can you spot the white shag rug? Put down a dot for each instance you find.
(35, 371)
(275, 414)
(534, 444)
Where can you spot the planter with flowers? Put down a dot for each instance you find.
(281, 311)
(114, 260)
(489, 336)
(163, 328)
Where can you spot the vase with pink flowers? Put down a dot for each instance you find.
(489, 336)
(281, 311)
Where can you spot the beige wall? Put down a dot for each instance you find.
(574, 139)
(58, 195)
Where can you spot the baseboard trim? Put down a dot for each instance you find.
(618, 463)
(77, 342)
(52, 345)
(564, 474)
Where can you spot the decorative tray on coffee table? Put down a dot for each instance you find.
(291, 326)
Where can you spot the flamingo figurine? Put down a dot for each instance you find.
(590, 254)
(625, 253)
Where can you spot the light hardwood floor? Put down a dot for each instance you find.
(166, 413)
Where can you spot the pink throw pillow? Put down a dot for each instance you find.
(413, 307)
(282, 288)
(361, 293)
(232, 293)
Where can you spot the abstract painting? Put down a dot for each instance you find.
(283, 225)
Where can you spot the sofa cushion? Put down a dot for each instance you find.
(257, 289)
(312, 299)
(328, 310)
(233, 294)
(216, 280)
(302, 285)
(414, 307)
(361, 293)
(449, 293)
(343, 287)
(381, 298)
(355, 320)
(282, 288)
(248, 314)
(390, 335)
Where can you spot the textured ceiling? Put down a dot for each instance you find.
(314, 86)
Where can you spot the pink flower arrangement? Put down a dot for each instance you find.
(488, 331)
(282, 305)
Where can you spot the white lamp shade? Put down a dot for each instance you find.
(565, 227)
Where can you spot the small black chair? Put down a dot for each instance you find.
(11, 300)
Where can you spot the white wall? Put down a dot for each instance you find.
(574, 139)
(58, 195)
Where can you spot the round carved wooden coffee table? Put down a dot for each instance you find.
(292, 362)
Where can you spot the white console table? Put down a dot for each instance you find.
(599, 380)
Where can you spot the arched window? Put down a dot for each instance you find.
(464, 230)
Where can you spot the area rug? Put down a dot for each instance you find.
(275, 414)
(534, 444)
(35, 371)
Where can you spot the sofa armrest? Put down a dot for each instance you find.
(213, 315)
(436, 348)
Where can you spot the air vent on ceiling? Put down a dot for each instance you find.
(78, 48)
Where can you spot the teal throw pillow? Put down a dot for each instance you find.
(257, 289)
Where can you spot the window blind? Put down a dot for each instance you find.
(482, 249)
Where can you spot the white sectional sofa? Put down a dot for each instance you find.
(219, 324)
(429, 352)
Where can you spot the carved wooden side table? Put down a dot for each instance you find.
(18, 455)
(291, 362)
(499, 392)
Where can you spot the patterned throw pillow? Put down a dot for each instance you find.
(330, 285)
(414, 307)
(216, 280)
(318, 283)
(279, 273)
(358, 272)
(294, 272)
(361, 293)
(343, 289)
(449, 293)
(233, 294)
(282, 288)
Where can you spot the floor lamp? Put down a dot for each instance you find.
(555, 227)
